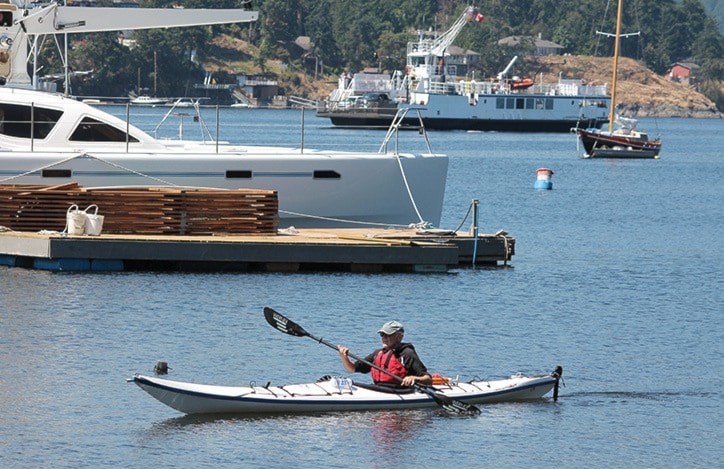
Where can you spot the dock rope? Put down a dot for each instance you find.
(421, 225)
(407, 187)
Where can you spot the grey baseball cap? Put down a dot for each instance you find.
(391, 327)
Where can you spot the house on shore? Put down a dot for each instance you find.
(540, 46)
(685, 73)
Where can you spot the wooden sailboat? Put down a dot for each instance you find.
(623, 141)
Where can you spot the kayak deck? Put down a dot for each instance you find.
(335, 394)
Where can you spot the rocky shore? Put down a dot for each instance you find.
(640, 92)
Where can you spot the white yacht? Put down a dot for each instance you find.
(51, 139)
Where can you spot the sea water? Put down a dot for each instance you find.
(617, 276)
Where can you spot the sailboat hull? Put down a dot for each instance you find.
(599, 144)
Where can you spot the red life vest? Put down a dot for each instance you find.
(387, 360)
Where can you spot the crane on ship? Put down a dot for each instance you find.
(441, 43)
(425, 56)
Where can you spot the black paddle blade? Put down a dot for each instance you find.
(453, 406)
(278, 321)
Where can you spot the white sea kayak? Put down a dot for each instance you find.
(338, 394)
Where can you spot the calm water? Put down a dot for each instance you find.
(617, 277)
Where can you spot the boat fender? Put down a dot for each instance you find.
(161, 368)
(558, 375)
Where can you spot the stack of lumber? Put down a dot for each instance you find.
(148, 211)
(33, 208)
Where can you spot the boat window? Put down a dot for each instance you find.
(510, 103)
(6, 19)
(92, 130)
(499, 103)
(15, 120)
(238, 174)
(55, 173)
(549, 103)
(520, 103)
(539, 103)
(529, 103)
(326, 174)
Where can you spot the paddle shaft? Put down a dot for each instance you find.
(359, 359)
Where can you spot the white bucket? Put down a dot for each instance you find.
(93, 221)
(75, 220)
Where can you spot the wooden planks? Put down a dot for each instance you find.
(143, 210)
(36, 208)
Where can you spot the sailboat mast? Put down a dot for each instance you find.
(155, 73)
(612, 112)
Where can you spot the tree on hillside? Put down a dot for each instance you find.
(318, 26)
(173, 49)
(709, 50)
(112, 64)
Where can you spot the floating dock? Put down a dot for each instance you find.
(182, 229)
(302, 250)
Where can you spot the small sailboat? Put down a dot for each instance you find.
(146, 100)
(622, 140)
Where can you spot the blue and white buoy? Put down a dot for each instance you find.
(543, 181)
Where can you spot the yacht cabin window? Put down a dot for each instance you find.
(93, 130)
(15, 120)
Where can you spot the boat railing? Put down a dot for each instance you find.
(442, 87)
(467, 87)
(395, 126)
(298, 101)
(183, 103)
(224, 127)
(578, 88)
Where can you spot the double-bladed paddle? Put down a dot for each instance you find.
(454, 406)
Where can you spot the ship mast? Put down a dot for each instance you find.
(612, 112)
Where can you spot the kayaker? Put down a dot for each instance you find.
(395, 356)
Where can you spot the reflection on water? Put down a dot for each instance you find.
(391, 429)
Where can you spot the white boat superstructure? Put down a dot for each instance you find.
(50, 139)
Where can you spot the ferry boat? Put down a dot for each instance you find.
(446, 101)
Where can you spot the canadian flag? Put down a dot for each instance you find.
(479, 17)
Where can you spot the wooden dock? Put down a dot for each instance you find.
(213, 230)
(303, 250)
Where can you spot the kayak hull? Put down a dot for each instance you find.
(333, 395)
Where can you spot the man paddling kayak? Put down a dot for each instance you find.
(396, 357)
